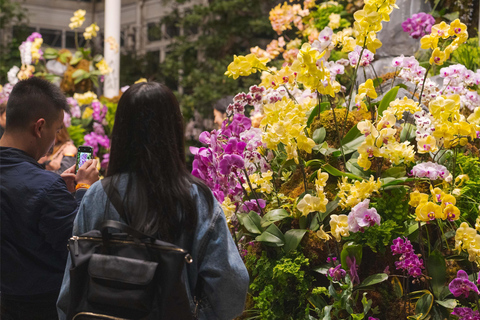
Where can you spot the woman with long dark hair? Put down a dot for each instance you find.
(162, 199)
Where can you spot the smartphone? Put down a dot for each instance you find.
(84, 153)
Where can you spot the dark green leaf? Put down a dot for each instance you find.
(251, 221)
(372, 280)
(314, 225)
(351, 135)
(323, 106)
(377, 82)
(79, 73)
(50, 53)
(293, 238)
(273, 216)
(272, 236)
(437, 269)
(354, 168)
(319, 135)
(395, 172)
(352, 250)
(449, 304)
(423, 305)
(389, 97)
(353, 145)
(326, 312)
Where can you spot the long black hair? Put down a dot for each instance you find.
(148, 145)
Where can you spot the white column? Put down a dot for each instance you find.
(111, 50)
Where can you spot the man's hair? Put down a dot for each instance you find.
(33, 99)
(222, 104)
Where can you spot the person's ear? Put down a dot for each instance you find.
(39, 127)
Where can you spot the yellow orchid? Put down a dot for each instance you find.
(322, 234)
(428, 42)
(368, 89)
(456, 28)
(428, 144)
(311, 203)
(77, 20)
(91, 31)
(339, 226)
(245, 65)
(416, 198)
(441, 30)
(438, 57)
(428, 211)
(103, 67)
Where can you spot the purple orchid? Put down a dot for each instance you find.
(252, 205)
(461, 285)
(408, 261)
(99, 111)
(361, 217)
(34, 36)
(352, 270)
(418, 25)
(337, 273)
(230, 161)
(466, 314)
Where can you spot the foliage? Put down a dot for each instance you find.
(378, 238)
(273, 282)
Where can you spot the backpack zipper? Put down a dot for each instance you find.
(97, 315)
(76, 238)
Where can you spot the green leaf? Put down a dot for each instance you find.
(377, 82)
(97, 58)
(373, 279)
(423, 305)
(79, 73)
(395, 172)
(293, 238)
(390, 181)
(353, 145)
(317, 301)
(354, 168)
(408, 132)
(273, 216)
(387, 98)
(272, 236)
(351, 135)
(50, 53)
(367, 303)
(315, 163)
(397, 287)
(437, 269)
(332, 205)
(337, 173)
(357, 316)
(352, 250)
(319, 135)
(449, 304)
(326, 312)
(64, 56)
(314, 225)
(452, 15)
(251, 221)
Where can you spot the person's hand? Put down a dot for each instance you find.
(88, 173)
(70, 149)
(69, 177)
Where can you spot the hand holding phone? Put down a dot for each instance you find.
(84, 153)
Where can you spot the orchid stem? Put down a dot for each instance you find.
(423, 85)
(253, 191)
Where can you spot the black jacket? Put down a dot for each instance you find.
(37, 213)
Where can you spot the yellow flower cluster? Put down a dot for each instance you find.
(77, 20)
(283, 16)
(400, 106)
(85, 98)
(274, 79)
(25, 72)
(380, 141)
(368, 22)
(37, 43)
(444, 31)
(451, 127)
(103, 67)
(344, 39)
(429, 210)
(467, 239)
(228, 208)
(314, 77)
(245, 65)
(352, 194)
(260, 181)
(91, 31)
(285, 122)
(319, 202)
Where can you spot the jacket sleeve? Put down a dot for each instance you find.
(223, 278)
(57, 213)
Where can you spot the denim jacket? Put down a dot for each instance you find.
(215, 257)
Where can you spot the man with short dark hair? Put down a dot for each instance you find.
(37, 208)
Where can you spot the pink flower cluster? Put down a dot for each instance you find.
(418, 25)
(361, 217)
(231, 152)
(466, 314)
(410, 69)
(408, 261)
(354, 56)
(99, 111)
(96, 141)
(74, 108)
(456, 80)
(430, 170)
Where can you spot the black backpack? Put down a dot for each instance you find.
(126, 275)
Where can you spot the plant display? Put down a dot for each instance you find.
(352, 200)
(90, 119)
